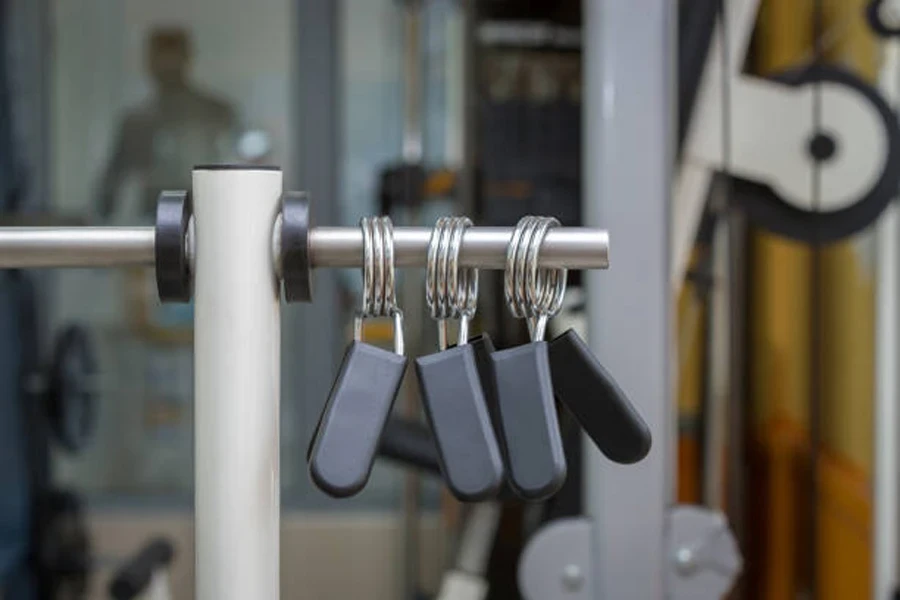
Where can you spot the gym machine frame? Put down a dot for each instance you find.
(236, 246)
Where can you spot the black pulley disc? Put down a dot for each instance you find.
(767, 210)
(71, 402)
(876, 22)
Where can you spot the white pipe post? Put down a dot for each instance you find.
(884, 531)
(886, 493)
(237, 336)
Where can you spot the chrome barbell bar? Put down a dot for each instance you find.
(482, 247)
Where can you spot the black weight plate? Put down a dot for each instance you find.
(767, 210)
(71, 402)
(173, 269)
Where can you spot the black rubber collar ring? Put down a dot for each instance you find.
(296, 267)
(173, 270)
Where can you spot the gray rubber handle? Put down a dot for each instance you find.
(457, 413)
(345, 443)
(409, 443)
(528, 423)
(596, 401)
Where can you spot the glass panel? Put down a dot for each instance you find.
(142, 91)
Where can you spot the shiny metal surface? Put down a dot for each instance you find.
(32, 247)
(482, 247)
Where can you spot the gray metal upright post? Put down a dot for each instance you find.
(629, 63)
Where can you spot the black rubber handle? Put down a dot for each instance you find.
(596, 400)
(456, 411)
(344, 446)
(132, 579)
(528, 421)
(410, 444)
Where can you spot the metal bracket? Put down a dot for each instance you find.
(704, 554)
(556, 562)
(773, 145)
(705, 560)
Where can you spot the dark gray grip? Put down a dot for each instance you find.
(411, 444)
(483, 347)
(456, 411)
(131, 580)
(528, 421)
(596, 401)
(344, 446)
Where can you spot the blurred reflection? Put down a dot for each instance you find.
(161, 140)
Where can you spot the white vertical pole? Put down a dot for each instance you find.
(719, 377)
(885, 528)
(237, 337)
(886, 493)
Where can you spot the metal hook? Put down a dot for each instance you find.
(519, 302)
(436, 277)
(378, 247)
(450, 292)
(368, 267)
(379, 278)
(510, 281)
(443, 298)
(531, 292)
(390, 293)
(464, 282)
(546, 288)
(431, 268)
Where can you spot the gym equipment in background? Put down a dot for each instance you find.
(66, 388)
(773, 150)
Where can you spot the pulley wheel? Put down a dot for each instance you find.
(70, 395)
